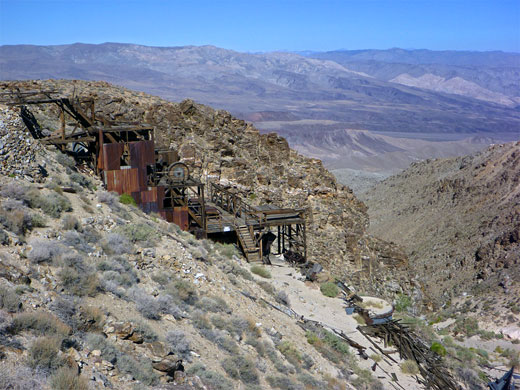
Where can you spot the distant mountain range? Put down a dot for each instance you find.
(418, 93)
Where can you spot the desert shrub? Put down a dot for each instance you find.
(81, 180)
(290, 352)
(200, 320)
(282, 382)
(66, 378)
(336, 343)
(214, 304)
(79, 283)
(145, 331)
(128, 200)
(111, 199)
(137, 232)
(261, 271)
(227, 250)
(167, 305)
(9, 300)
(438, 348)
(241, 367)
(14, 190)
(161, 277)
(402, 302)
(256, 344)
(70, 222)
(43, 250)
(65, 309)
(20, 377)
(52, 204)
(329, 289)
(117, 268)
(66, 161)
(146, 304)
(281, 297)
(376, 358)
(116, 244)
(409, 367)
(267, 287)
(179, 343)
(91, 319)
(220, 339)
(467, 326)
(44, 354)
(142, 370)
(108, 351)
(16, 221)
(215, 380)
(184, 291)
(40, 322)
(310, 382)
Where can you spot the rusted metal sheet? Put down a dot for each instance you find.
(124, 181)
(167, 215)
(180, 217)
(142, 153)
(149, 207)
(112, 156)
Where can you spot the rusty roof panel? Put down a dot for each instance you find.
(142, 153)
(111, 156)
(123, 181)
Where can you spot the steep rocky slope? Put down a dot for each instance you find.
(459, 220)
(222, 148)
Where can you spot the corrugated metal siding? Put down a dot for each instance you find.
(180, 217)
(112, 156)
(142, 153)
(123, 181)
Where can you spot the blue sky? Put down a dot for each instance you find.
(256, 25)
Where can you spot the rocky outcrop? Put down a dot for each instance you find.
(221, 148)
(18, 148)
(458, 218)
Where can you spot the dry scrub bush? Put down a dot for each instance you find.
(214, 304)
(41, 323)
(116, 244)
(409, 367)
(215, 380)
(9, 301)
(44, 354)
(241, 367)
(66, 378)
(52, 204)
(329, 289)
(43, 250)
(261, 271)
(19, 377)
(179, 344)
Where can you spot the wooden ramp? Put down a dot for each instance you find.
(246, 240)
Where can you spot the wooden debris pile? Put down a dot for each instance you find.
(412, 347)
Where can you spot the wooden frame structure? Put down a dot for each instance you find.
(124, 155)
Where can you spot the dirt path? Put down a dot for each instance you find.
(307, 300)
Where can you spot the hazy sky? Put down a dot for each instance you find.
(257, 25)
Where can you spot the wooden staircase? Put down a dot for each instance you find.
(246, 240)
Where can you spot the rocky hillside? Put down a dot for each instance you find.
(459, 220)
(222, 148)
(95, 294)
